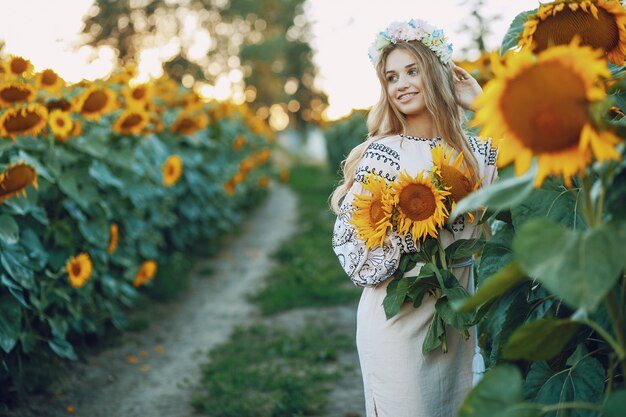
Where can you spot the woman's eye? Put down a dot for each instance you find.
(412, 72)
(392, 78)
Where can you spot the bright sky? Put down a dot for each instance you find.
(46, 32)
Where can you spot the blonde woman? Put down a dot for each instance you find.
(423, 94)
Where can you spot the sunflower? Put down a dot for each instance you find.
(137, 97)
(12, 92)
(264, 182)
(541, 106)
(114, 237)
(15, 179)
(239, 143)
(96, 101)
(229, 187)
(49, 81)
(452, 172)
(146, 273)
(262, 157)
(600, 24)
(131, 121)
(60, 104)
(29, 119)
(192, 101)
(79, 269)
(187, 123)
(420, 206)
(16, 66)
(372, 215)
(61, 124)
(283, 176)
(172, 170)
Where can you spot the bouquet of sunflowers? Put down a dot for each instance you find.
(420, 206)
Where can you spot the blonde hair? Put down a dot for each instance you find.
(385, 119)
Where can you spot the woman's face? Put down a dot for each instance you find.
(404, 83)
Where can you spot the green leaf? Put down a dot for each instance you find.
(579, 267)
(16, 291)
(615, 404)
(583, 382)
(10, 323)
(9, 230)
(464, 248)
(497, 253)
(95, 231)
(36, 251)
(396, 294)
(16, 263)
(451, 317)
(500, 388)
(494, 286)
(436, 330)
(501, 195)
(62, 348)
(540, 339)
(514, 32)
(58, 326)
(103, 176)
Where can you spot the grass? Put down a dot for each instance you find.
(308, 273)
(270, 372)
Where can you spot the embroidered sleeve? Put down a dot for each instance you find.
(368, 267)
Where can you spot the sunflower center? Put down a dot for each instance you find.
(376, 211)
(18, 65)
(60, 122)
(21, 122)
(62, 104)
(545, 107)
(14, 94)
(131, 121)
(459, 183)
(186, 125)
(95, 102)
(17, 178)
(601, 33)
(49, 77)
(76, 269)
(139, 93)
(417, 202)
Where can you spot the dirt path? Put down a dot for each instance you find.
(170, 351)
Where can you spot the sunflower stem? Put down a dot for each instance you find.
(618, 326)
(619, 350)
(590, 216)
(442, 254)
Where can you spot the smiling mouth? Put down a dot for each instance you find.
(407, 96)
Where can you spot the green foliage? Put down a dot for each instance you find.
(270, 372)
(343, 135)
(308, 274)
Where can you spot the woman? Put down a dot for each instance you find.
(420, 107)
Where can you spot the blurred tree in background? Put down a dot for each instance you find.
(261, 47)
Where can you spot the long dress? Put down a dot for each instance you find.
(399, 380)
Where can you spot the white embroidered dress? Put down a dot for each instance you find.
(399, 380)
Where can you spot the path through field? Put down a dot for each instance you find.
(167, 355)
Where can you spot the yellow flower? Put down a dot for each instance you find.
(420, 206)
(131, 121)
(600, 24)
(264, 182)
(172, 170)
(541, 105)
(137, 97)
(61, 124)
(25, 120)
(372, 215)
(12, 92)
(187, 123)
(96, 101)
(452, 172)
(79, 269)
(49, 80)
(15, 179)
(229, 187)
(192, 101)
(283, 176)
(114, 237)
(239, 143)
(16, 66)
(146, 273)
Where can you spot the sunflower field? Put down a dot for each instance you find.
(100, 182)
(551, 296)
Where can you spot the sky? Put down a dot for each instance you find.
(47, 33)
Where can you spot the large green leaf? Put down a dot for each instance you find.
(16, 290)
(498, 394)
(10, 323)
(464, 248)
(36, 251)
(578, 266)
(515, 31)
(501, 195)
(553, 201)
(16, 263)
(95, 231)
(583, 382)
(615, 404)
(9, 230)
(62, 348)
(497, 253)
(396, 295)
(436, 331)
(496, 285)
(103, 176)
(540, 339)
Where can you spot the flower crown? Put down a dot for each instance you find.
(413, 30)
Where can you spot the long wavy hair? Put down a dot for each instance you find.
(385, 119)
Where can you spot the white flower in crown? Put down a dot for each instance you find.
(413, 30)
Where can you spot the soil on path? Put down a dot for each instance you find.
(168, 354)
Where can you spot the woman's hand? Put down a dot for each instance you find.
(466, 88)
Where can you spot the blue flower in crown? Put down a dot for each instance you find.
(413, 30)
